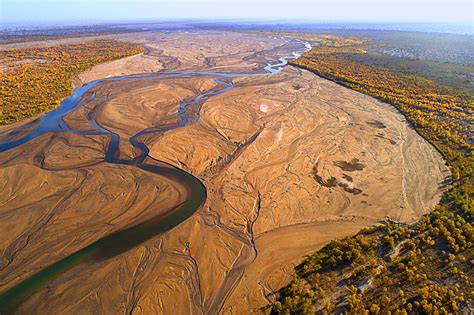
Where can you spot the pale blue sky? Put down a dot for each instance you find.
(315, 10)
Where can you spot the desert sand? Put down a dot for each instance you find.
(290, 161)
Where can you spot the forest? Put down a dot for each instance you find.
(35, 80)
(394, 268)
(11, 34)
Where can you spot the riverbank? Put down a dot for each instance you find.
(423, 267)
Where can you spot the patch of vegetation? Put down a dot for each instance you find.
(448, 74)
(424, 268)
(35, 80)
(14, 35)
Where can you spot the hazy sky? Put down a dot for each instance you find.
(316, 10)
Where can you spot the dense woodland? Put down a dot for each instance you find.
(424, 268)
(15, 35)
(35, 80)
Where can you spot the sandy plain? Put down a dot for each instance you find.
(290, 161)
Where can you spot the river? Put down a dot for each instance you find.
(121, 241)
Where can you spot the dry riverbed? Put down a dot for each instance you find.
(290, 161)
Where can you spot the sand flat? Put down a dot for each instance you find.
(320, 168)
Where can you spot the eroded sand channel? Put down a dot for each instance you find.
(290, 161)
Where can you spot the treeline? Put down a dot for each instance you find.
(424, 268)
(35, 80)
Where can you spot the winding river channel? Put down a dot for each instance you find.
(123, 240)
